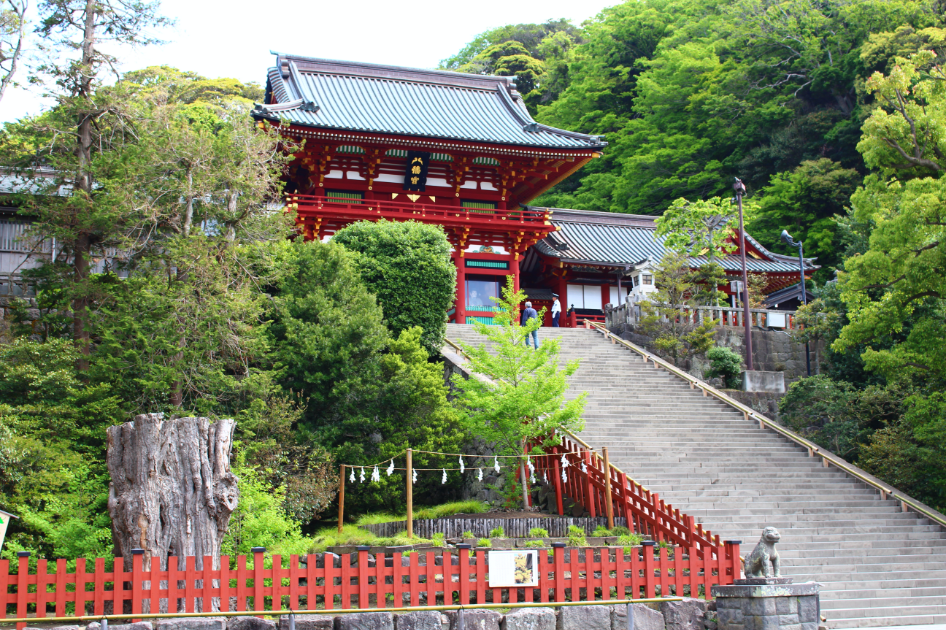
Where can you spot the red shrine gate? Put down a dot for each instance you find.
(457, 150)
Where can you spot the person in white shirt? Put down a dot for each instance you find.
(556, 310)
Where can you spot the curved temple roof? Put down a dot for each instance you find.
(608, 239)
(349, 96)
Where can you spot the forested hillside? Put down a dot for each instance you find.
(833, 113)
(690, 93)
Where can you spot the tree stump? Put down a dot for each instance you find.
(172, 491)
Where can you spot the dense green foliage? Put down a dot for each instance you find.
(725, 364)
(208, 308)
(52, 445)
(408, 267)
(833, 114)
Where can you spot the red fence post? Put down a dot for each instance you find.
(649, 576)
(589, 490)
(363, 577)
(732, 556)
(559, 571)
(4, 581)
(464, 573)
(118, 586)
(22, 588)
(224, 583)
(259, 602)
(137, 555)
(173, 603)
(41, 579)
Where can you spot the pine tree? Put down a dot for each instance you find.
(520, 404)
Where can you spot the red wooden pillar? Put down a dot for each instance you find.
(557, 480)
(605, 295)
(460, 305)
(562, 290)
(514, 267)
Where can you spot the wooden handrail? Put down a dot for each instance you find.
(765, 421)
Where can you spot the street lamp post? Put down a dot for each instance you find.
(804, 292)
(740, 189)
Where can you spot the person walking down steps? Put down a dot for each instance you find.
(528, 314)
(556, 310)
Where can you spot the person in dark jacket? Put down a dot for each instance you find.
(528, 314)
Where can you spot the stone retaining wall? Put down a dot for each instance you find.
(689, 614)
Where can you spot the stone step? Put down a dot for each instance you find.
(702, 457)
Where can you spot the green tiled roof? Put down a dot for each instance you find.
(612, 239)
(350, 96)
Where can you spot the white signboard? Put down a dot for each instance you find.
(775, 320)
(4, 521)
(518, 567)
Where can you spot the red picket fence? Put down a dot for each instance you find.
(646, 513)
(382, 581)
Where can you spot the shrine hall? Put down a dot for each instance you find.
(462, 151)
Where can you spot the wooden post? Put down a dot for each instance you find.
(341, 498)
(608, 503)
(410, 493)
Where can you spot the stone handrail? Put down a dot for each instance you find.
(727, 316)
(827, 457)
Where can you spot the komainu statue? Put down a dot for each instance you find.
(764, 560)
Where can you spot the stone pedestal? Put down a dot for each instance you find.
(768, 604)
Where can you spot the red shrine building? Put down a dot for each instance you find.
(461, 151)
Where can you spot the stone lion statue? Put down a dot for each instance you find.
(764, 560)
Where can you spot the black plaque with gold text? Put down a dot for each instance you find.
(415, 174)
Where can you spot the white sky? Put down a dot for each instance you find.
(234, 39)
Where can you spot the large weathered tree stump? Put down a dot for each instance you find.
(172, 491)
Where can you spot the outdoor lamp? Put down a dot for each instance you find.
(788, 240)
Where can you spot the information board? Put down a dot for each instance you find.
(517, 567)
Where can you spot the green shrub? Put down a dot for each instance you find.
(538, 532)
(498, 532)
(484, 542)
(601, 531)
(407, 266)
(630, 540)
(438, 540)
(726, 364)
(467, 535)
(535, 544)
(620, 530)
(576, 537)
(449, 509)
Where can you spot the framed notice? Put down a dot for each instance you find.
(519, 567)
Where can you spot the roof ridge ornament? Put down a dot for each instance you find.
(532, 127)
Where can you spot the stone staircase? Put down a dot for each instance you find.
(878, 566)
